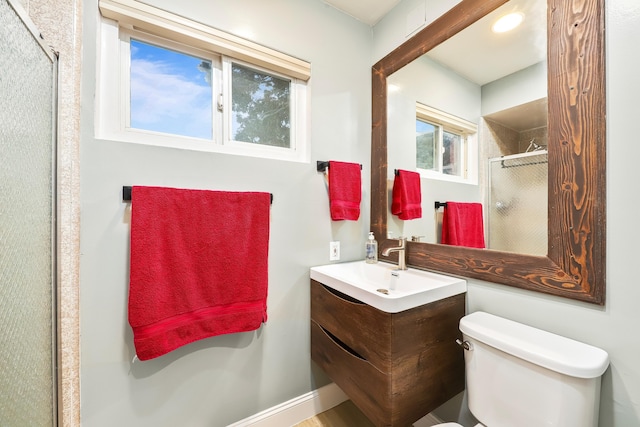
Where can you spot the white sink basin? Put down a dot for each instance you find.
(375, 285)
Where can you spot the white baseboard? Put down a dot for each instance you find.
(309, 405)
(297, 409)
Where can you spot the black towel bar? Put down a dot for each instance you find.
(126, 194)
(322, 166)
(441, 205)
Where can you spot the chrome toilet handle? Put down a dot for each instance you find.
(464, 344)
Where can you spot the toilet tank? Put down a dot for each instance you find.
(521, 376)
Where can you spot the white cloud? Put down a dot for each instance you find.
(166, 101)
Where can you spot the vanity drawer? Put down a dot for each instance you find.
(363, 328)
(365, 385)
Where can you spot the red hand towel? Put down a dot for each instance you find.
(407, 195)
(198, 266)
(462, 225)
(345, 190)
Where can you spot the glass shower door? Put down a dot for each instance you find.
(27, 224)
(517, 211)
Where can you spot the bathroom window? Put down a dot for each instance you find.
(446, 146)
(169, 93)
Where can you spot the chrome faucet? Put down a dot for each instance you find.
(402, 262)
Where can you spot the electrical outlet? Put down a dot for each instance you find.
(334, 251)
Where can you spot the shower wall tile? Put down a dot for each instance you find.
(502, 140)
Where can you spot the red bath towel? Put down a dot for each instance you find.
(407, 195)
(345, 190)
(198, 266)
(462, 225)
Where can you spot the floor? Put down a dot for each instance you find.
(347, 415)
(344, 415)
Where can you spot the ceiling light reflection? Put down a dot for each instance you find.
(507, 22)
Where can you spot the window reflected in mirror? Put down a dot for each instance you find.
(442, 144)
(426, 148)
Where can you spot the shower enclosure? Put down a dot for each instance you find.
(517, 205)
(27, 222)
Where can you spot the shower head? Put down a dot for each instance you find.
(534, 147)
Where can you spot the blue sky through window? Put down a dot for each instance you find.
(422, 127)
(170, 91)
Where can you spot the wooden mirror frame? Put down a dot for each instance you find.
(575, 265)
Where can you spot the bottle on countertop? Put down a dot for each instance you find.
(371, 249)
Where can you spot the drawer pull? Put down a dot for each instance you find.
(342, 295)
(342, 345)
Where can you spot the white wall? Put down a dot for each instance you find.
(612, 327)
(521, 87)
(221, 380)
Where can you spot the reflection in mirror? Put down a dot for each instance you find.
(484, 95)
(574, 265)
(516, 208)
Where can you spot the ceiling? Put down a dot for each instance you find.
(531, 115)
(367, 11)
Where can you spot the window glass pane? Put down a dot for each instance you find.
(261, 107)
(170, 91)
(426, 143)
(451, 154)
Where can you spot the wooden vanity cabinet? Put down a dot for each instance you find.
(395, 367)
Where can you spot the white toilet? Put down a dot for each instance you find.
(522, 376)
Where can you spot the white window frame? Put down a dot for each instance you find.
(185, 36)
(466, 129)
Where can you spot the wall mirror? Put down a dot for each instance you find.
(574, 263)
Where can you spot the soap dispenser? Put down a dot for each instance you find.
(371, 249)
